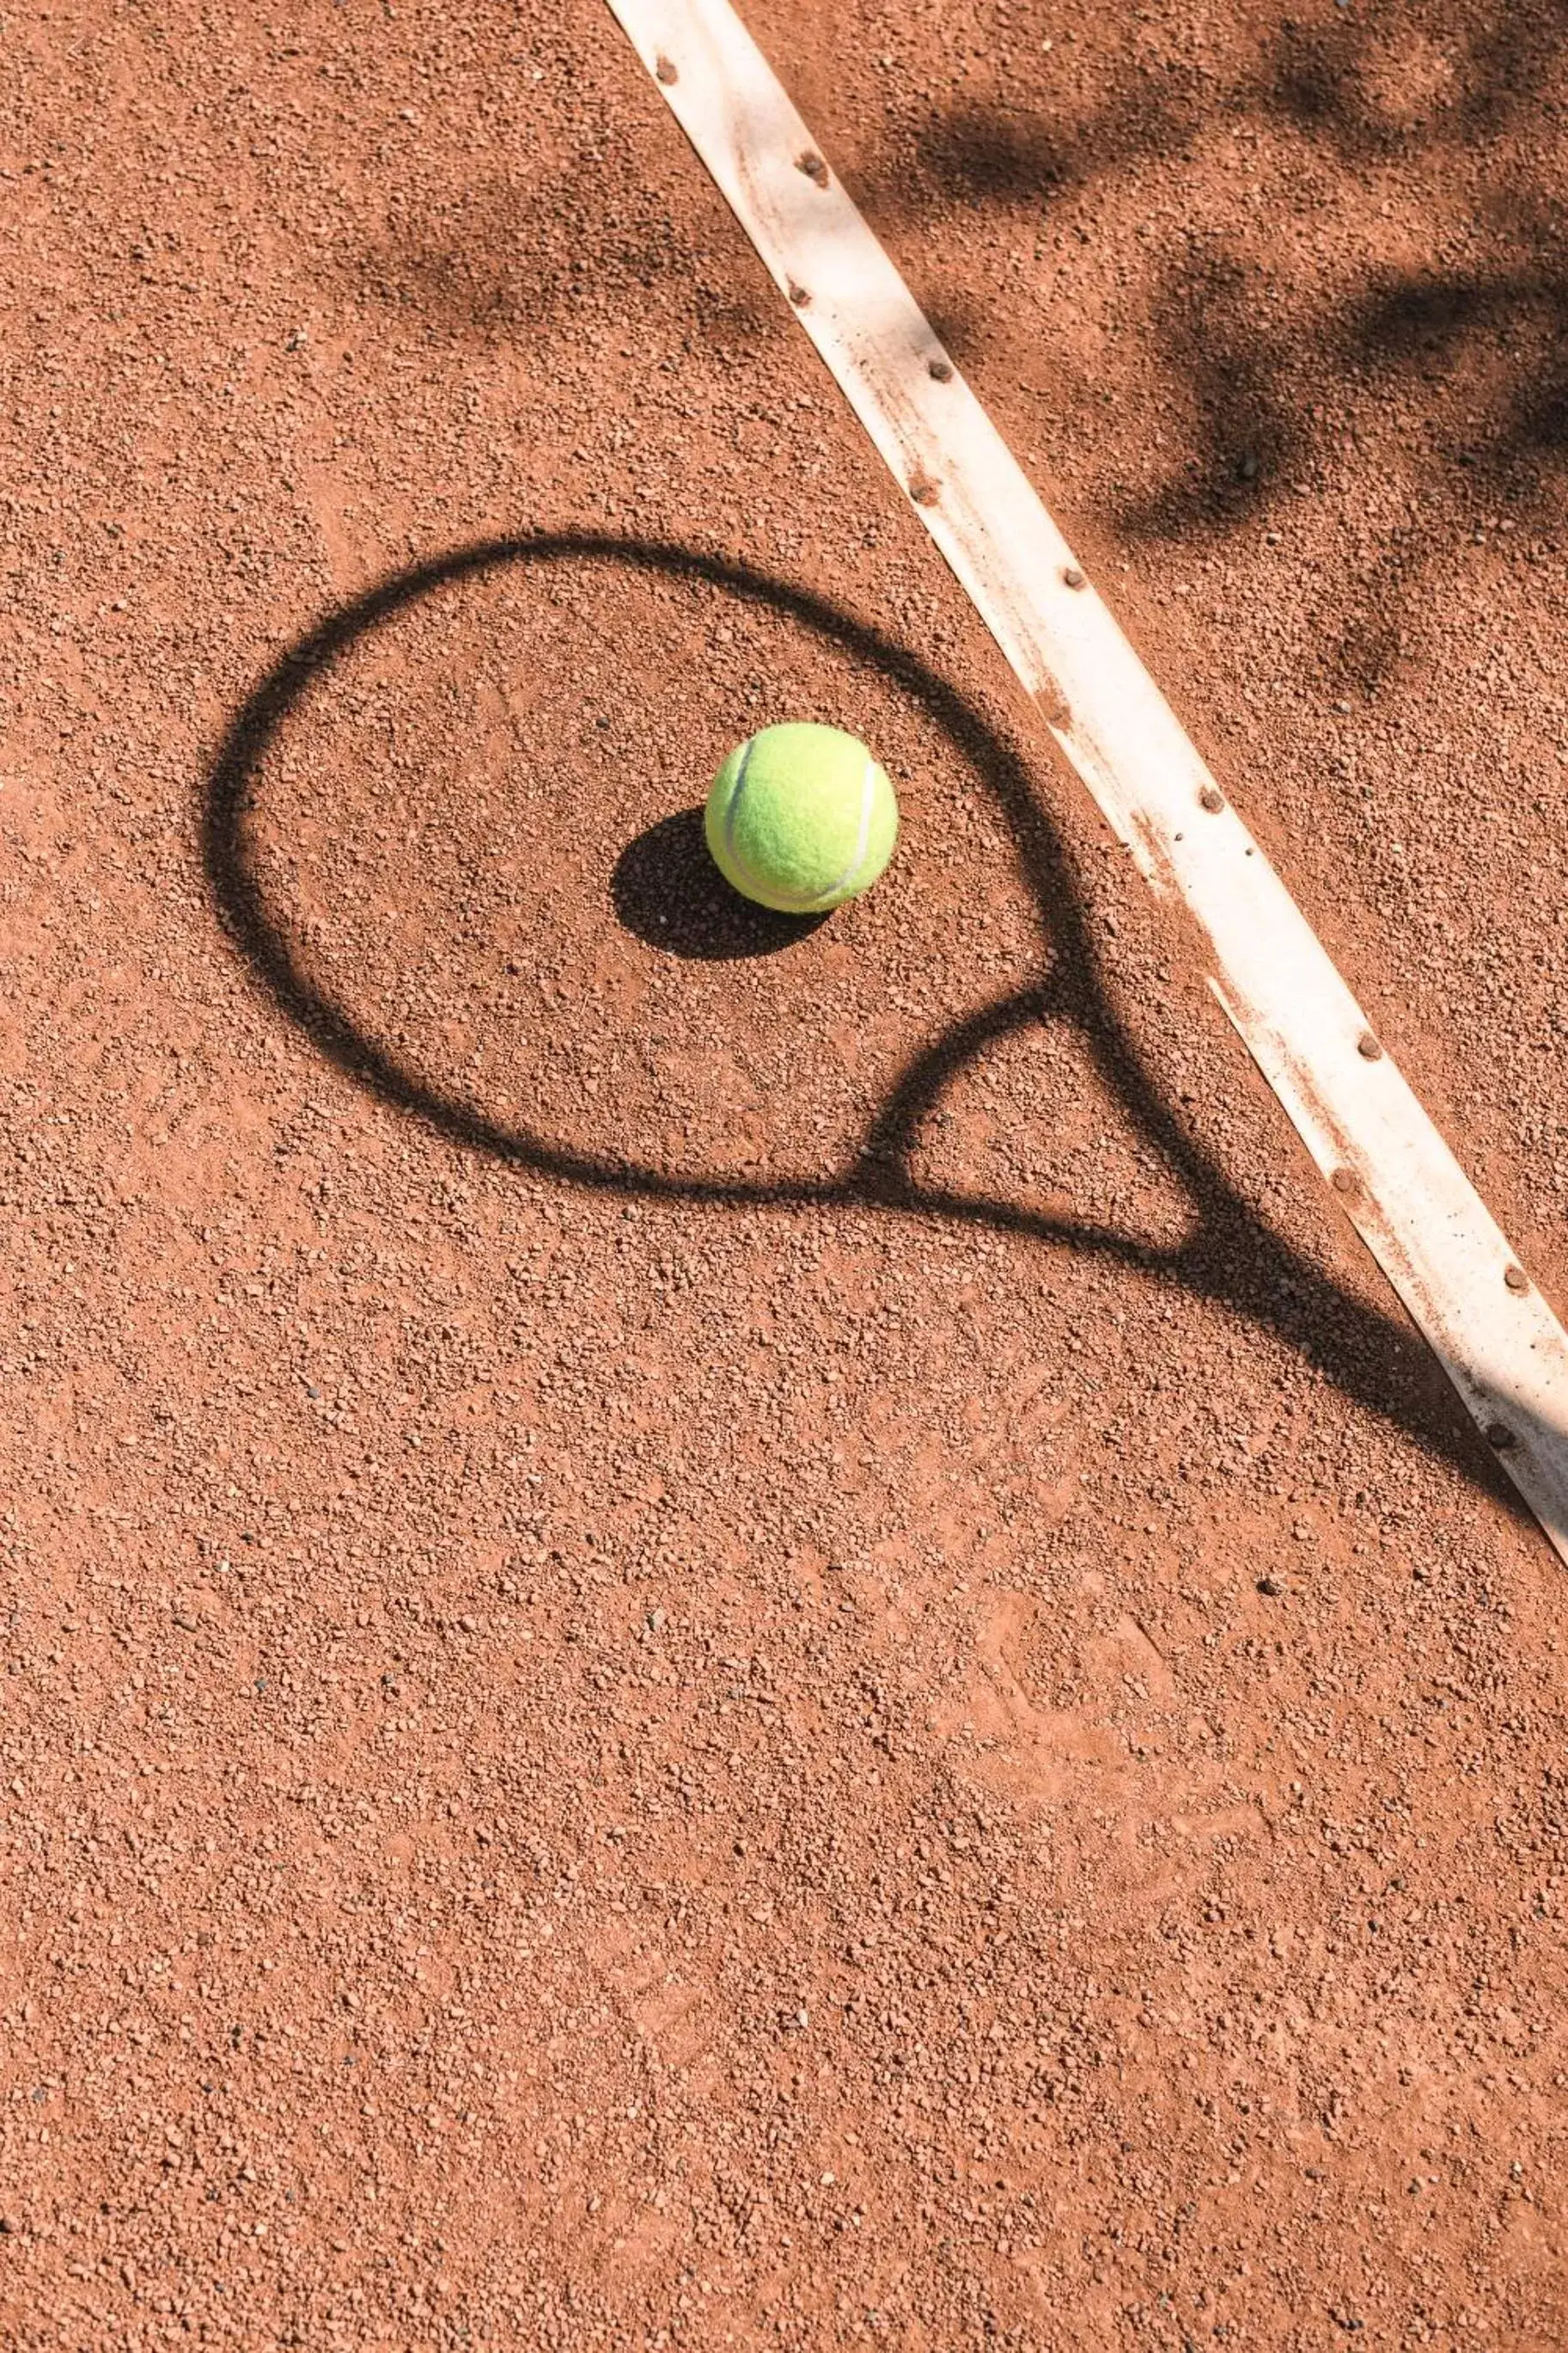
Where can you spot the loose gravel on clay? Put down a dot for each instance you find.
(716, 1632)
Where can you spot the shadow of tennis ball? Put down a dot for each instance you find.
(668, 890)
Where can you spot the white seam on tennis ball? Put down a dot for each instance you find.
(747, 748)
(863, 834)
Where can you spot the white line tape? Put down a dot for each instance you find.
(1496, 1337)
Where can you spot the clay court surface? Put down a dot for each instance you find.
(719, 1634)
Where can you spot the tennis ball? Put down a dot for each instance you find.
(801, 818)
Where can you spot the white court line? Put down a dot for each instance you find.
(1417, 1212)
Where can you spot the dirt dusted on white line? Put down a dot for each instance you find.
(720, 1633)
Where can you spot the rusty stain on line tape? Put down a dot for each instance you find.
(1413, 1206)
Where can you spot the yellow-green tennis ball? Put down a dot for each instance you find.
(801, 818)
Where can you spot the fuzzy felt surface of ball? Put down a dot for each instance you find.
(801, 818)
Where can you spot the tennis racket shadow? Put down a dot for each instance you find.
(1229, 1255)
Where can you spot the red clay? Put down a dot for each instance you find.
(718, 1638)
